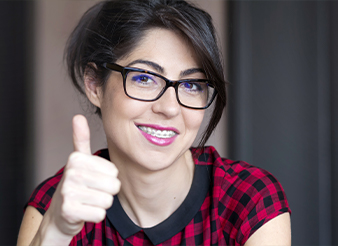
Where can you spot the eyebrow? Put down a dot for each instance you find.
(160, 69)
(191, 71)
(154, 65)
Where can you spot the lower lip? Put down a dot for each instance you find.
(158, 141)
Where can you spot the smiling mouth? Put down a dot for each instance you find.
(157, 133)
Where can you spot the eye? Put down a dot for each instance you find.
(143, 80)
(193, 87)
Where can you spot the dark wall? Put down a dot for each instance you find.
(334, 116)
(283, 104)
(14, 105)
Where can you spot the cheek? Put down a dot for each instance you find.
(112, 108)
(118, 110)
(113, 97)
(193, 119)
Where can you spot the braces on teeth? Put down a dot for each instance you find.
(157, 133)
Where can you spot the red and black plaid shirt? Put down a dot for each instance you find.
(228, 201)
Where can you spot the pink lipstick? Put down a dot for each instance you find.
(158, 135)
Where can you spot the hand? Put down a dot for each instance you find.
(87, 187)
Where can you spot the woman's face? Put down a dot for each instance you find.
(128, 122)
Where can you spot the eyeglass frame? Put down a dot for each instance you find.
(169, 83)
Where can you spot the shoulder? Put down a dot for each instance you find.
(234, 177)
(245, 196)
(229, 170)
(253, 193)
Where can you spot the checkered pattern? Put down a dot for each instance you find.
(241, 198)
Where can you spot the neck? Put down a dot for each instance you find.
(149, 197)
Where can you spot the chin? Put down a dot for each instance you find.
(157, 161)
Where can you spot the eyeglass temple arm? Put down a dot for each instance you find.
(113, 66)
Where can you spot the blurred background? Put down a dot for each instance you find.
(281, 60)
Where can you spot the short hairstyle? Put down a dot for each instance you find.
(111, 30)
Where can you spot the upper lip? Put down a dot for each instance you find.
(158, 127)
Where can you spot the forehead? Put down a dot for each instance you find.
(164, 47)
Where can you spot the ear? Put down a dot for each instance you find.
(92, 86)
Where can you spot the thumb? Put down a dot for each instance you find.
(81, 134)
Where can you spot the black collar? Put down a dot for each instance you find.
(175, 222)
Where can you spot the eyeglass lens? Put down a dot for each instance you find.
(146, 86)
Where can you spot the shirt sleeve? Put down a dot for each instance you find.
(252, 197)
(269, 201)
(43, 193)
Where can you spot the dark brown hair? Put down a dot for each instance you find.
(110, 30)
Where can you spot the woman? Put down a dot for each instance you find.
(151, 68)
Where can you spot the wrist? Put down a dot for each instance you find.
(49, 234)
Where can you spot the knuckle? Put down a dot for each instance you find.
(114, 186)
(117, 186)
(75, 160)
(114, 169)
(108, 201)
(109, 167)
(74, 157)
(74, 175)
(69, 192)
(68, 195)
(100, 215)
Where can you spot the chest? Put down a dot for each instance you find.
(206, 228)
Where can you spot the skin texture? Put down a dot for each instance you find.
(149, 191)
(275, 232)
(29, 226)
(83, 194)
(119, 111)
(142, 193)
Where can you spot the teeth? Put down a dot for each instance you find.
(157, 133)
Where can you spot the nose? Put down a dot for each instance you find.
(167, 104)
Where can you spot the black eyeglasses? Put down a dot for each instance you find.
(147, 86)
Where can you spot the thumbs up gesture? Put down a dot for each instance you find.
(86, 189)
